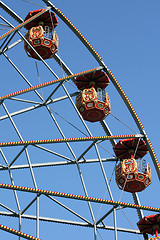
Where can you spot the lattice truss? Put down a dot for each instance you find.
(54, 166)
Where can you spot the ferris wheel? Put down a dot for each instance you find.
(70, 168)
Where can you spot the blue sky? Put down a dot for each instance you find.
(126, 36)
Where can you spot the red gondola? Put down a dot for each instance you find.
(46, 19)
(92, 102)
(96, 79)
(127, 147)
(130, 176)
(150, 224)
(41, 35)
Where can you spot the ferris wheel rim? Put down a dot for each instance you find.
(118, 87)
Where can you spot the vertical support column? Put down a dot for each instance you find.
(95, 232)
(20, 219)
(37, 212)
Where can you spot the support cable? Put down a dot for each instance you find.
(39, 80)
(130, 223)
(129, 170)
(33, 3)
(123, 123)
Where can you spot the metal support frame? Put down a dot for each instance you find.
(77, 160)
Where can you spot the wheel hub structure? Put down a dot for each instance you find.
(57, 170)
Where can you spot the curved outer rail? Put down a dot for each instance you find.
(114, 81)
